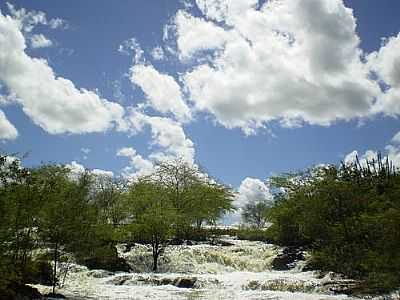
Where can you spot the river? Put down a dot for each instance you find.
(240, 271)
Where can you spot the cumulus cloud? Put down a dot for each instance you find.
(351, 158)
(40, 41)
(293, 61)
(76, 169)
(86, 150)
(7, 130)
(250, 190)
(102, 173)
(168, 137)
(386, 64)
(392, 151)
(29, 19)
(195, 34)
(157, 53)
(132, 47)
(168, 142)
(162, 91)
(138, 166)
(52, 102)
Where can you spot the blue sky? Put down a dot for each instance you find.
(245, 90)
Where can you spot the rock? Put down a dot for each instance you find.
(54, 296)
(41, 273)
(286, 260)
(185, 282)
(128, 247)
(99, 273)
(252, 285)
(166, 281)
(16, 291)
(119, 280)
(116, 264)
(176, 242)
(218, 242)
(338, 284)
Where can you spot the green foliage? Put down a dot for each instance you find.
(254, 234)
(256, 213)
(348, 216)
(49, 210)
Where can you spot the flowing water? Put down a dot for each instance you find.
(240, 271)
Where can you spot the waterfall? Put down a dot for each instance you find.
(242, 270)
(205, 258)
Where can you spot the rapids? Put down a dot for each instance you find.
(240, 271)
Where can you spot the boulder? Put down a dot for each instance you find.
(119, 280)
(54, 296)
(99, 273)
(185, 282)
(16, 291)
(286, 260)
(115, 264)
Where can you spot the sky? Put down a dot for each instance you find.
(246, 89)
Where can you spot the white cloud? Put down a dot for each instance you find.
(86, 150)
(195, 34)
(40, 41)
(295, 61)
(138, 166)
(162, 91)
(392, 151)
(252, 190)
(396, 138)
(168, 142)
(132, 47)
(52, 102)
(102, 173)
(27, 20)
(157, 53)
(7, 130)
(167, 135)
(58, 23)
(77, 169)
(386, 64)
(351, 158)
(7, 99)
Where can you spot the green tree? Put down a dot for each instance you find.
(349, 216)
(65, 216)
(154, 217)
(108, 198)
(18, 206)
(255, 213)
(196, 197)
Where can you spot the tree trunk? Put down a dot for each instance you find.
(55, 267)
(155, 257)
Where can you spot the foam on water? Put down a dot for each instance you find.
(240, 271)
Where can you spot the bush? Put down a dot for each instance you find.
(350, 219)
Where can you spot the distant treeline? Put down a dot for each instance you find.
(49, 213)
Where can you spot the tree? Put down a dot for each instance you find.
(256, 213)
(18, 206)
(208, 202)
(349, 216)
(64, 219)
(196, 197)
(171, 201)
(109, 199)
(154, 217)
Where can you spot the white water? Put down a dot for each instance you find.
(241, 271)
